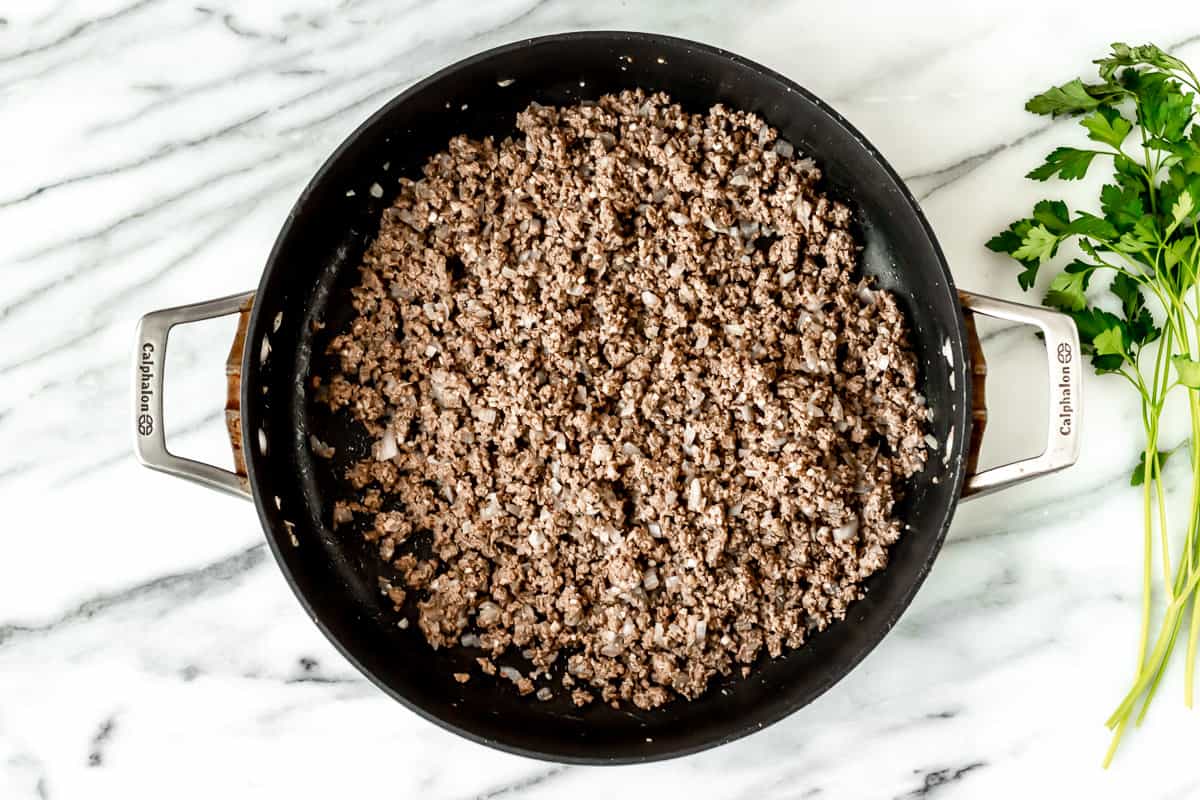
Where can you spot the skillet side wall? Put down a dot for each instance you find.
(313, 265)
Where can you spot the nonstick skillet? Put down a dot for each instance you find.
(305, 285)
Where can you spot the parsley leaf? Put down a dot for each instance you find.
(1068, 163)
(1131, 244)
(1190, 160)
(1110, 342)
(1125, 56)
(1139, 472)
(1178, 252)
(1073, 97)
(1139, 324)
(1164, 110)
(1009, 241)
(1068, 289)
(1039, 244)
(1106, 125)
(1129, 175)
(1127, 291)
(1092, 323)
(1122, 206)
(1182, 208)
(1187, 370)
(1170, 192)
(1053, 214)
(1086, 224)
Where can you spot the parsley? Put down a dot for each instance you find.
(1070, 98)
(1107, 126)
(1139, 472)
(1142, 257)
(1068, 163)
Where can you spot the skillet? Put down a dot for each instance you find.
(306, 282)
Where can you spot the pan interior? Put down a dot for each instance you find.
(304, 299)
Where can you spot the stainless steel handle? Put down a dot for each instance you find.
(150, 438)
(1063, 357)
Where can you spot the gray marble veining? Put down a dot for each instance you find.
(152, 150)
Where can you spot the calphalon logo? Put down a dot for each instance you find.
(145, 422)
(1066, 410)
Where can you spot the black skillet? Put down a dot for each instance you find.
(306, 281)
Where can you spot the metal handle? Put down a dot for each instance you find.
(150, 439)
(1062, 355)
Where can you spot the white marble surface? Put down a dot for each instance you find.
(148, 646)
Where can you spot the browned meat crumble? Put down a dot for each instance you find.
(622, 370)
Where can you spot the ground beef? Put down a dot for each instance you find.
(626, 381)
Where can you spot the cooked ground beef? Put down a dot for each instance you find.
(623, 371)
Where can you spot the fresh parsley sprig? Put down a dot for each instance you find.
(1144, 245)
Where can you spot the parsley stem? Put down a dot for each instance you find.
(1193, 545)
(1166, 350)
(1186, 597)
(1189, 664)
(1162, 374)
(1116, 740)
(1148, 672)
(1161, 649)
(1162, 521)
(1159, 671)
(1147, 558)
(1147, 562)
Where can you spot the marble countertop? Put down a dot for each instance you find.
(147, 642)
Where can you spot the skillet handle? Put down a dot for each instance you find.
(150, 440)
(1062, 355)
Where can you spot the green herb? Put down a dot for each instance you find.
(1135, 298)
